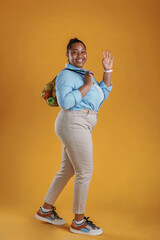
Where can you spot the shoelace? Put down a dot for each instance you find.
(56, 215)
(90, 222)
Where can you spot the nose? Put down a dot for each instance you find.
(79, 54)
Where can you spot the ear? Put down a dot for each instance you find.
(67, 54)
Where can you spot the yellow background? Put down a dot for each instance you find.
(124, 194)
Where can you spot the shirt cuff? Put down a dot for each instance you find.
(103, 85)
(77, 95)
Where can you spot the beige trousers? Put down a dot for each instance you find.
(74, 128)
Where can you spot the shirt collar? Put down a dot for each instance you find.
(68, 65)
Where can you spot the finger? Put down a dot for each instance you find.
(91, 72)
(103, 53)
(107, 53)
(112, 58)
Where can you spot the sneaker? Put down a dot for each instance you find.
(86, 227)
(50, 217)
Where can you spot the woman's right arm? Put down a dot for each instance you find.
(88, 82)
(67, 95)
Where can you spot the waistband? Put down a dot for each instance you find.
(87, 111)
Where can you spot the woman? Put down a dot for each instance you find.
(80, 96)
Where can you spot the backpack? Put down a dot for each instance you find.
(49, 91)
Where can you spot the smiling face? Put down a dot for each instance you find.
(77, 55)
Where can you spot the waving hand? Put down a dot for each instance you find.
(107, 61)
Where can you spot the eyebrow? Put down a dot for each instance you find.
(77, 49)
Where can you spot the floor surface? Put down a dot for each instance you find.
(20, 223)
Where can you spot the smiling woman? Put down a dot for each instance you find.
(80, 96)
(76, 53)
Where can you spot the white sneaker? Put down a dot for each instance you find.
(87, 227)
(50, 217)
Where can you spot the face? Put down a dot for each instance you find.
(77, 55)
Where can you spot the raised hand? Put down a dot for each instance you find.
(107, 61)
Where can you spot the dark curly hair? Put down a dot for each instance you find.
(72, 41)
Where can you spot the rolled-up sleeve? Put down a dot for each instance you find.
(106, 90)
(67, 95)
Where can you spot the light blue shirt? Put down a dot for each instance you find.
(69, 97)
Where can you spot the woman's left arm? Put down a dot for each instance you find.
(106, 84)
